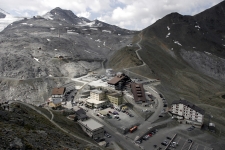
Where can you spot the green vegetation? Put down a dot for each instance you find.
(124, 58)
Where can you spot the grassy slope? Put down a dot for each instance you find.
(178, 79)
(124, 58)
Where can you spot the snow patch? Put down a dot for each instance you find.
(36, 59)
(176, 42)
(93, 28)
(168, 35)
(48, 16)
(98, 40)
(87, 51)
(208, 53)
(168, 27)
(72, 32)
(107, 31)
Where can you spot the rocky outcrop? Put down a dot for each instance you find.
(2, 15)
(206, 63)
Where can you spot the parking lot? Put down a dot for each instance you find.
(124, 119)
(173, 140)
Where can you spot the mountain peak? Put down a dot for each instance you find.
(3, 13)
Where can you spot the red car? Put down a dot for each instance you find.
(150, 134)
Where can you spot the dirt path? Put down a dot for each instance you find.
(51, 120)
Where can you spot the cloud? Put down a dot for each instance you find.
(130, 14)
(142, 13)
(85, 14)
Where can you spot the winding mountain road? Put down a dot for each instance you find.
(53, 122)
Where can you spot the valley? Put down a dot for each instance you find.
(144, 78)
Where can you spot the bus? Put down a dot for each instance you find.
(133, 129)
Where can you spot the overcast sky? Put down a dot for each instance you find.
(130, 14)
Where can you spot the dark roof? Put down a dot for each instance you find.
(81, 114)
(116, 79)
(58, 91)
(189, 104)
(138, 92)
(115, 94)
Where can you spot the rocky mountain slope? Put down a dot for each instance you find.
(57, 44)
(187, 54)
(39, 41)
(23, 128)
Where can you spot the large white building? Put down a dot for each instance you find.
(97, 95)
(94, 129)
(97, 99)
(183, 109)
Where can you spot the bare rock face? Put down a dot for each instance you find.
(16, 144)
(2, 15)
(206, 63)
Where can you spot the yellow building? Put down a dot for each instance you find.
(97, 95)
(115, 98)
(55, 104)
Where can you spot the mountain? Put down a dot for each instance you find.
(56, 45)
(6, 19)
(2, 15)
(187, 54)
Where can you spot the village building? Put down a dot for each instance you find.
(97, 95)
(58, 94)
(119, 81)
(80, 115)
(138, 92)
(184, 110)
(56, 103)
(97, 99)
(94, 129)
(115, 98)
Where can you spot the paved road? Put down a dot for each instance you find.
(51, 120)
(116, 136)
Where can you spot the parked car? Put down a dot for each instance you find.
(146, 137)
(115, 113)
(163, 143)
(138, 141)
(169, 138)
(189, 140)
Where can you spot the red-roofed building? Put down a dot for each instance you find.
(138, 92)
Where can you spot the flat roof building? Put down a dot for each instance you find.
(93, 103)
(92, 128)
(183, 109)
(115, 98)
(97, 95)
